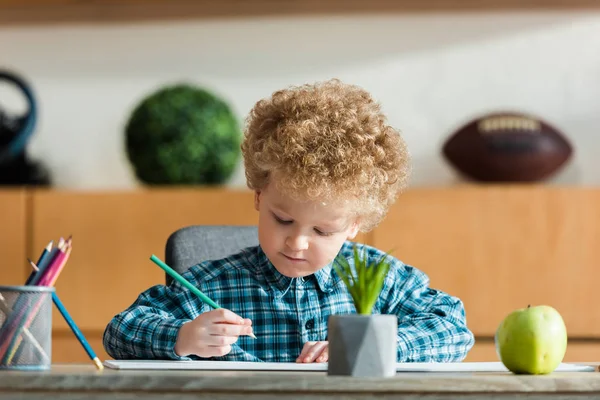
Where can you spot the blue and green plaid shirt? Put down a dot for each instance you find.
(288, 312)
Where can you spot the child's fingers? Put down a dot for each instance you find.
(216, 351)
(311, 351)
(225, 329)
(324, 356)
(307, 346)
(219, 340)
(314, 352)
(221, 315)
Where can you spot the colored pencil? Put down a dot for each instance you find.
(45, 253)
(46, 278)
(34, 271)
(86, 346)
(43, 266)
(46, 275)
(44, 259)
(28, 314)
(69, 320)
(186, 283)
(53, 271)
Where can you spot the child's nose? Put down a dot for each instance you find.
(297, 242)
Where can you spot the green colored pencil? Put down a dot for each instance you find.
(185, 283)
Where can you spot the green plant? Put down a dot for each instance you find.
(183, 134)
(365, 280)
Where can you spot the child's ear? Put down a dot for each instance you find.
(256, 199)
(354, 230)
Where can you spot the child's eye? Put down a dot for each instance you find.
(321, 233)
(281, 221)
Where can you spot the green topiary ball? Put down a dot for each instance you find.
(183, 135)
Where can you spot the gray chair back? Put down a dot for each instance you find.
(191, 245)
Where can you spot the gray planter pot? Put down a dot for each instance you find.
(362, 345)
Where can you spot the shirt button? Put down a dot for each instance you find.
(310, 324)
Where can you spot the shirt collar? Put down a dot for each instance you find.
(325, 278)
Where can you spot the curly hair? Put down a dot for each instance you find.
(329, 142)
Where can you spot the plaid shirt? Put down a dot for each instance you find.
(288, 312)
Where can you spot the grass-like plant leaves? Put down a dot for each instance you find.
(366, 280)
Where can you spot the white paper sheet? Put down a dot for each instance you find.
(273, 366)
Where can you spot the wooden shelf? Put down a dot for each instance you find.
(18, 12)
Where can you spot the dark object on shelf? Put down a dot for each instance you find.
(16, 167)
(183, 135)
(507, 147)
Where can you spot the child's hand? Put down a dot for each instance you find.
(314, 352)
(211, 334)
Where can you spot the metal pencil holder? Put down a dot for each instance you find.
(26, 327)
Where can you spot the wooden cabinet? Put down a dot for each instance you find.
(496, 247)
(114, 235)
(576, 352)
(14, 268)
(500, 248)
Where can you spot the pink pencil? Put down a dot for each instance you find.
(54, 269)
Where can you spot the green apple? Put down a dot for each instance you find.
(532, 340)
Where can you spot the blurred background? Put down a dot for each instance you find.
(432, 71)
(435, 66)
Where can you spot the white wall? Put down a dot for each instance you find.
(431, 74)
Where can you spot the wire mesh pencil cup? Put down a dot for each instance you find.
(26, 327)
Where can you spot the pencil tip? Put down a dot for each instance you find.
(32, 264)
(98, 363)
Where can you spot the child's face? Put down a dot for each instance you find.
(300, 238)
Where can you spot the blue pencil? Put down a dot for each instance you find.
(43, 257)
(76, 331)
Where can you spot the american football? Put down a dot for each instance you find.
(507, 147)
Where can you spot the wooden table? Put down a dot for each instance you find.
(84, 382)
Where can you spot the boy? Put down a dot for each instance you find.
(324, 165)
